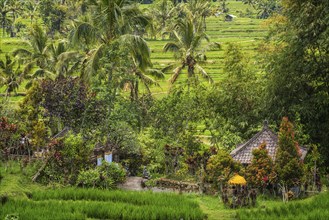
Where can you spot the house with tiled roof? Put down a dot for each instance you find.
(243, 152)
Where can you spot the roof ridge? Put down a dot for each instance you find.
(265, 128)
(236, 150)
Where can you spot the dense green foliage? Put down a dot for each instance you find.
(288, 164)
(221, 167)
(298, 68)
(260, 172)
(105, 176)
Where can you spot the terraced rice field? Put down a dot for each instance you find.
(71, 203)
(245, 30)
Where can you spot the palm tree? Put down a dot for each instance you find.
(162, 12)
(31, 7)
(4, 10)
(46, 59)
(141, 65)
(186, 43)
(36, 56)
(198, 11)
(110, 19)
(61, 60)
(10, 75)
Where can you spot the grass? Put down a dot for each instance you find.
(73, 203)
(14, 183)
(214, 209)
(29, 200)
(311, 208)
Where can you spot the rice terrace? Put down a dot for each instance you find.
(164, 109)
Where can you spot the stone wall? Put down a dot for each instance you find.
(177, 185)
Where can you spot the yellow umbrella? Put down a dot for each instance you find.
(237, 180)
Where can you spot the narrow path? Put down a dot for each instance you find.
(132, 183)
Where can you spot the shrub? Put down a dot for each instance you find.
(104, 176)
(114, 171)
(94, 179)
(220, 167)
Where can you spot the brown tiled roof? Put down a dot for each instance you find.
(243, 153)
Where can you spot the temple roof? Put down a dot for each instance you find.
(243, 152)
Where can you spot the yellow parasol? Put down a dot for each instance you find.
(237, 180)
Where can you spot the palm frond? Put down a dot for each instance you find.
(203, 73)
(42, 73)
(147, 81)
(139, 50)
(215, 46)
(22, 52)
(73, 68)
(64, 59)
(28, 67)
(84, 33)
(167, 68)
(156, 73)
(92, 61)
(171, 46)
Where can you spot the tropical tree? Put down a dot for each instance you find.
(110, 19)
(10, 75)
(162, 13)
(47, 59)
(296, 60)
(198, 11)
(62, 61)
(260, 172)
(238, 102)
(265, 8)
(4, 10)
(186, 44)
(141, 64)
(53, 14)
(288, 165)
(220, 168)
(37, 55)
(31, 9)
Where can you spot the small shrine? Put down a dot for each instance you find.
(243, 152)
(105, 153)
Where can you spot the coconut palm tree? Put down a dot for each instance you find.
(31, 7)
(46, 59)
(62, 61)
(162, 13)
(186, 44)
(198, 11)
(36, 56)
(116, 20)
(110, 19)
(141, 65)
(10, 75)
(4, 10)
